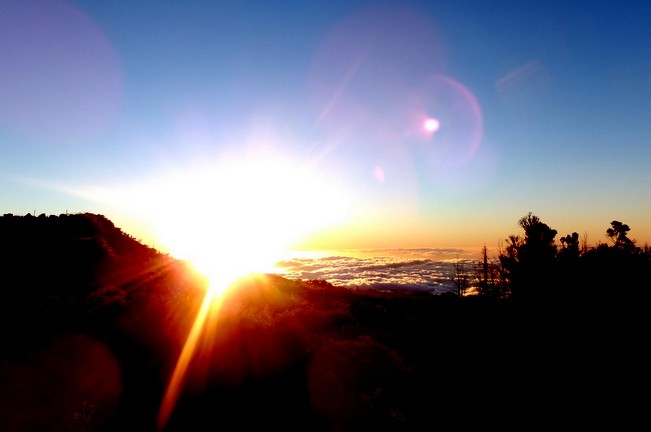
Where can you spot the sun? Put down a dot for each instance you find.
(233, 214)
(240, 215)
(236, 214)
(431, 125)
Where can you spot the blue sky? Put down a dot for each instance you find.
(543, 106)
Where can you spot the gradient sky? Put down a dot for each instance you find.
(305, 119)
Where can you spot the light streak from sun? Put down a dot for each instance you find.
(211, 303)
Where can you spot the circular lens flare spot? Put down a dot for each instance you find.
(378, 172)
(442, 101)
(431, 125)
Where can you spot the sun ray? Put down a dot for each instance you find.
(211, 303)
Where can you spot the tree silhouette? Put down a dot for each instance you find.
(529, 261)
(536, 269)
(490, 278)
(619, 268)
(568, 261)
(618, 234)
(570, 244)
(460, 277)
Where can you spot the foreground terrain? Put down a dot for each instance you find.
(93, 324)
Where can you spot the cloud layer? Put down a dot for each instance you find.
(423, 269)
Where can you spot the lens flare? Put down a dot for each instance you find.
(378, 172)
(442, 100)
(61, 79)
(431, 125)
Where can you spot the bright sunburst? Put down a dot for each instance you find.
(239, 215)
(229, 218)
(235, 215)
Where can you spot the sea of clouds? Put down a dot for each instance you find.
(424, 269)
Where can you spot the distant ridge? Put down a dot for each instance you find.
(25, 233)
(71, 267)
